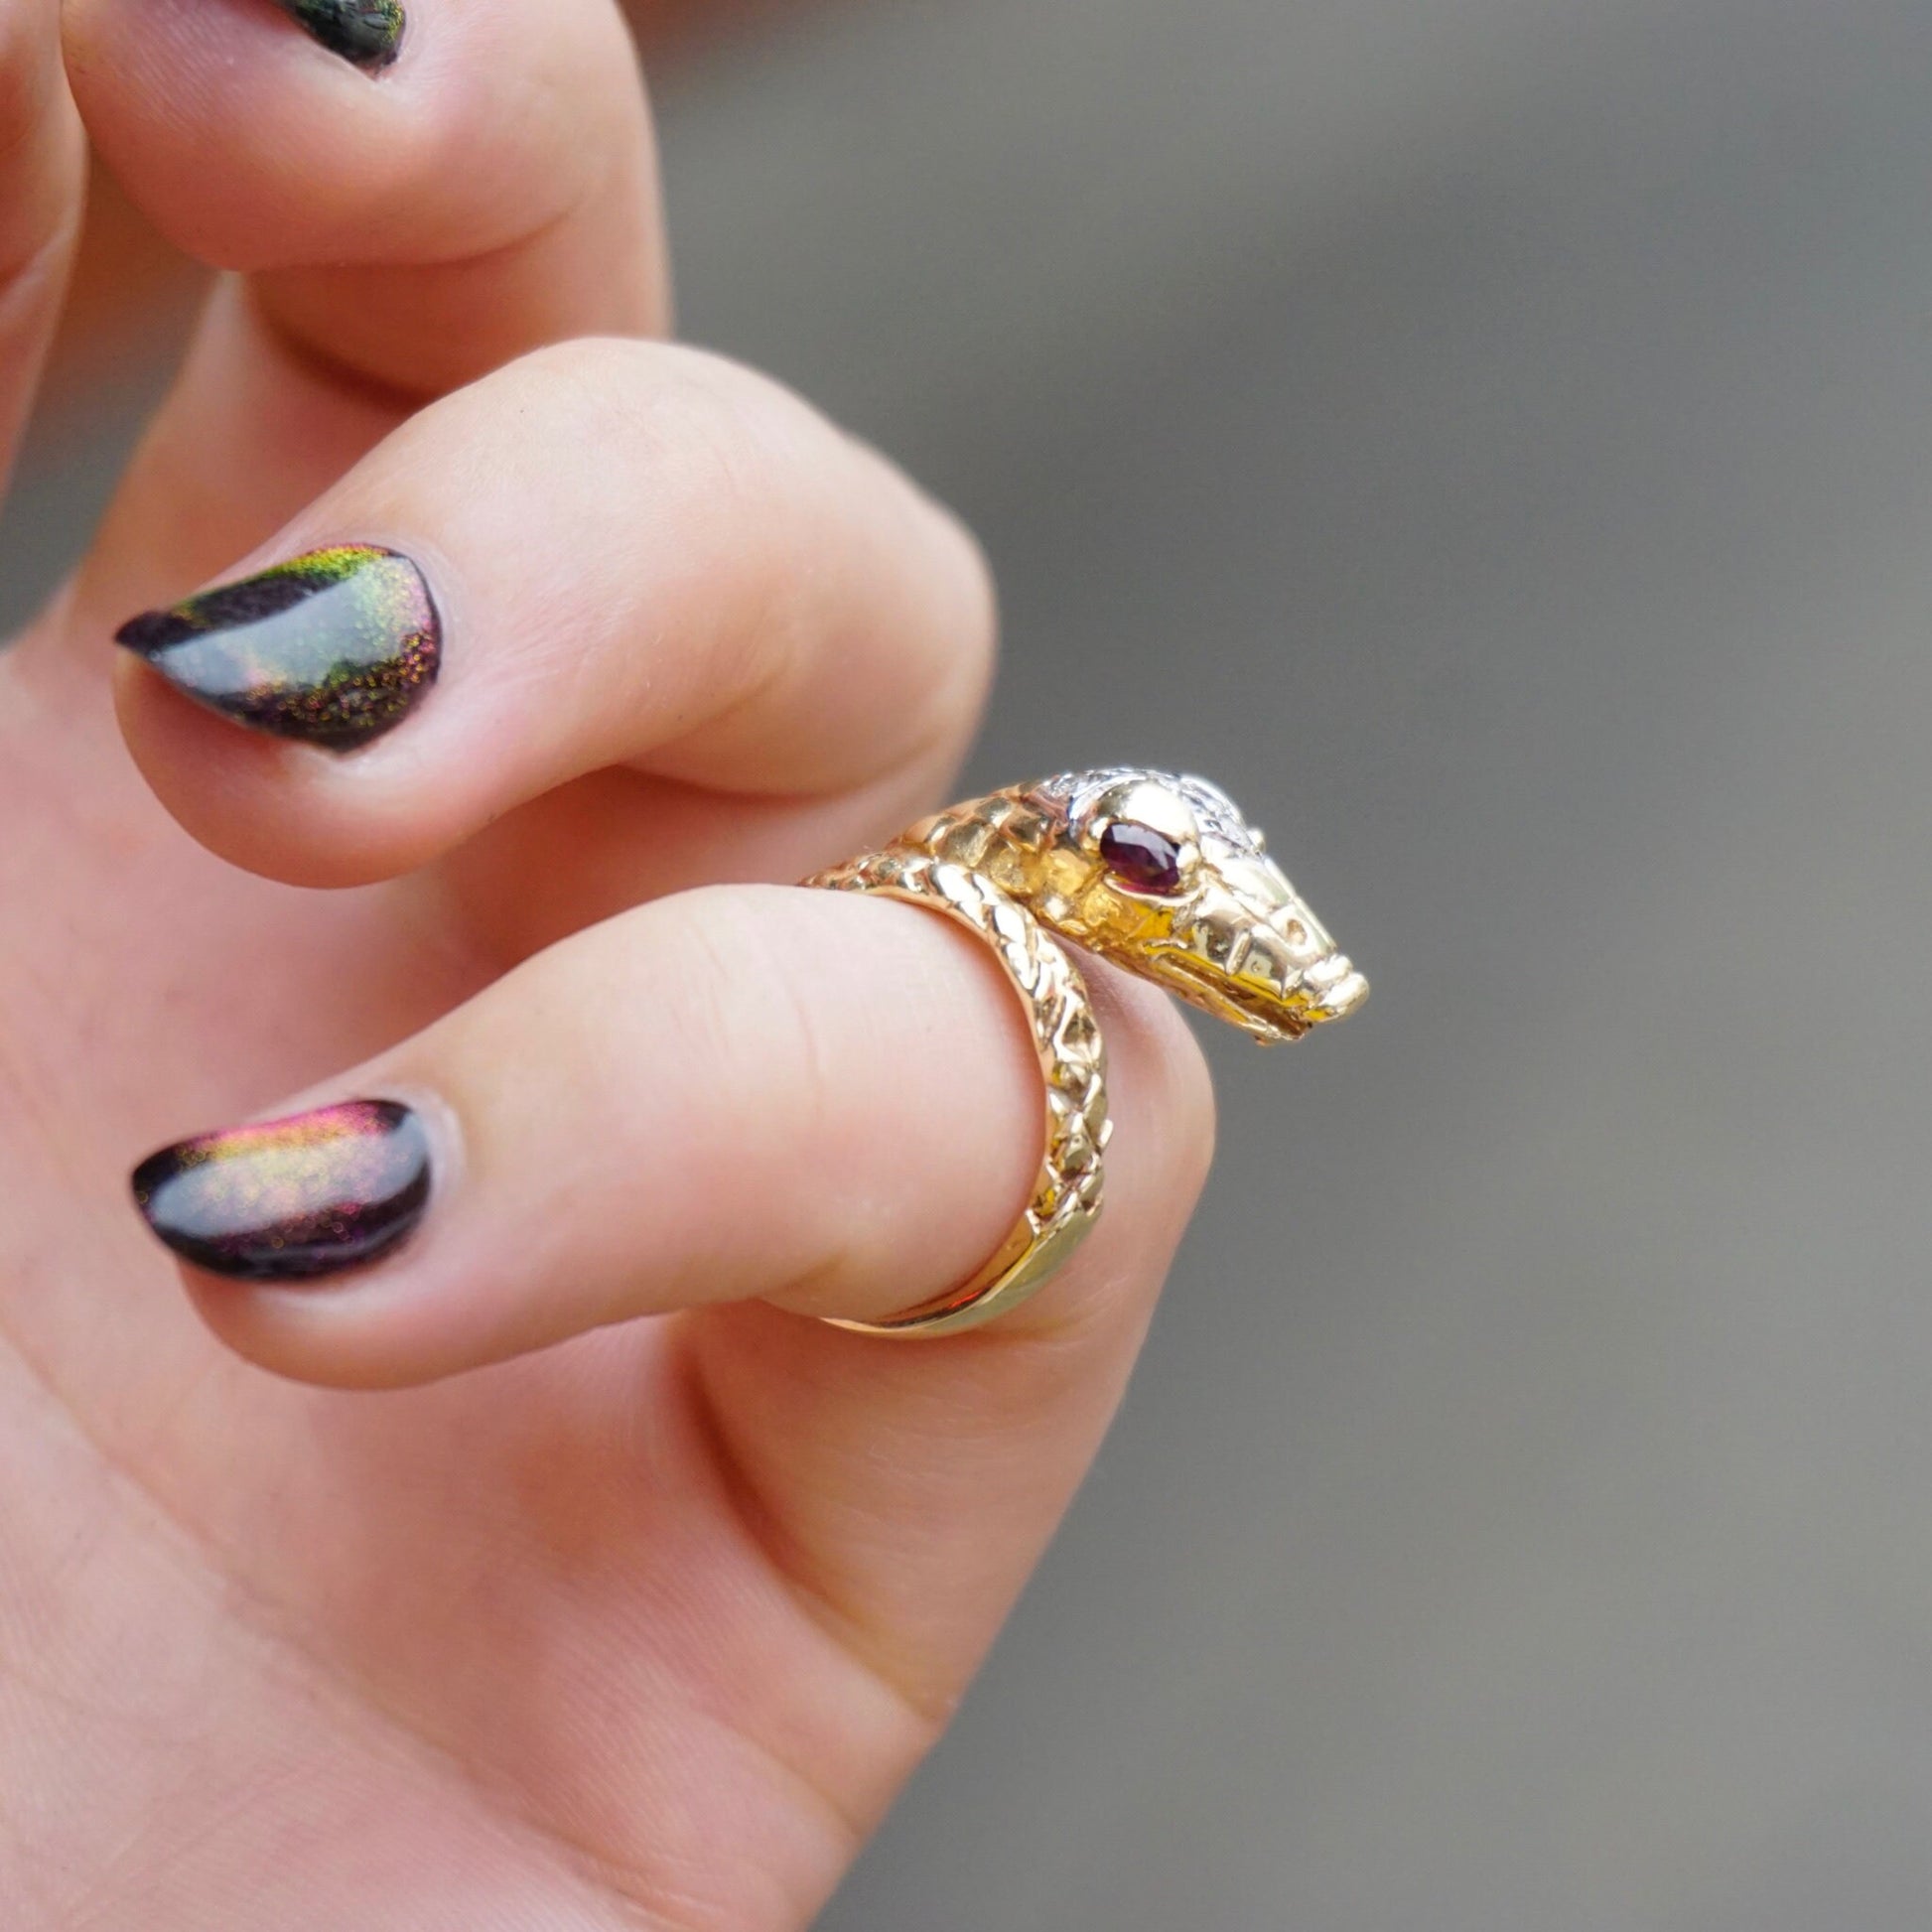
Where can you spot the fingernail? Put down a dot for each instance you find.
(291, 1200)
(368, 32)
(335, 647)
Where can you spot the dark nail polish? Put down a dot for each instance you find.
(365, 32)
(294, 1199)
(334, 649)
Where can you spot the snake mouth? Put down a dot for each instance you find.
(1269, 1008)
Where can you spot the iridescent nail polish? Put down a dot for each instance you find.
(335, 647)
(368, 32)
(294, 1199)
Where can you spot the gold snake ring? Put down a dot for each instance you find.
(1160, 875)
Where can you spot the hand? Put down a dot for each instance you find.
(494, 1606)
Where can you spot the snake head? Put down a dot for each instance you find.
(1164, 876)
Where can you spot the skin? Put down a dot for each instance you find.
(452, 1595)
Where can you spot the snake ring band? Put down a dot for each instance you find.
(1159, 875)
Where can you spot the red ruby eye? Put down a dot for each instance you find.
(1141, 858)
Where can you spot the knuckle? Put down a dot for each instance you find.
(1169, 1088)
(40, 151)
(1193, 1103)
(957, 693)
(29, 76)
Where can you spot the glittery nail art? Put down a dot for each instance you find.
(292, 1199)
(335, 647)
(365, 32)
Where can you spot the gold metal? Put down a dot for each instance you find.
(1221, 927)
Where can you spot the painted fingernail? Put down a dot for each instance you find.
(335, 647)
(368, 32)
(291, 1200)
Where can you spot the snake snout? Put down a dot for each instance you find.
(1275, 962)
(1325, 980)
(1335, 988)
(1305, 975)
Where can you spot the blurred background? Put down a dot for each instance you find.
(1495, 439)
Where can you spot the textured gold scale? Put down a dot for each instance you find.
(1067, 1193)
(1010, 866)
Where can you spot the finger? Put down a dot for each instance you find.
(491, 186)
(492, 191)
(42, 186)
(738, 1093)
(733, 595)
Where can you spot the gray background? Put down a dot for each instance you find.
(1493, 437)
